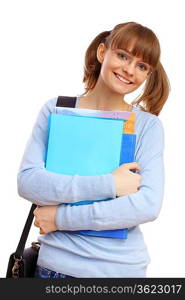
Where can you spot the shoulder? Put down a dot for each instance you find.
(149, 131)
(46, 109)
(49, 105)
(146, 121)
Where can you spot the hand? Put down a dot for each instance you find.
(126, 181)
(45, 218)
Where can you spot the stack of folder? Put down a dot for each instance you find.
(90, 142)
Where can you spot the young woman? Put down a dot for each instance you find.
(117, 62)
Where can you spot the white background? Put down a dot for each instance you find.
(43, 44)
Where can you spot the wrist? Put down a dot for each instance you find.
(114, 185)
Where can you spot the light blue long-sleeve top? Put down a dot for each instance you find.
(87, 256)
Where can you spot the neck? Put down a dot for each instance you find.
(102, 98)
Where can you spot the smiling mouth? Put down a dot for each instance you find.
(122, 79)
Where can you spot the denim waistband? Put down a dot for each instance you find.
(42, 272)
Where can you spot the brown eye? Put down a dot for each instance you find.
(143, 67)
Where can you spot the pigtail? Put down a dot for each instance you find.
(92, 65)
(156, 91)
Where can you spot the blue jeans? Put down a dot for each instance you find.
(41, 272)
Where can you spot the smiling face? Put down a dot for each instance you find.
(122, 72)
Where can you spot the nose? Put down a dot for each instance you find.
(129, 68)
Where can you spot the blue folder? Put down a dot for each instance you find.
(86, 146)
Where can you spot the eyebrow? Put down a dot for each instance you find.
(121, 49)
(128, 52)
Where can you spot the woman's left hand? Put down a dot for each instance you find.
(45, 218)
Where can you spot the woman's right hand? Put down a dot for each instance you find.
(126, 181)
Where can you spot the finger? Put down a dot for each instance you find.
(36, 224)
(35, 211)
(132, 165)
(41, 231)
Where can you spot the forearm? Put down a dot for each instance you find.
(42, 187)
(46, 188)
(127, 211)
(123, 212)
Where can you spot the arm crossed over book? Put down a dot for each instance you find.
(86, 143)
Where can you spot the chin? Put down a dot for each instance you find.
(122, 91)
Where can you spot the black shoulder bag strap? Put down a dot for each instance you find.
(61, 101)
(66, 101)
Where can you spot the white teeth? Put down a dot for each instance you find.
(122, 79)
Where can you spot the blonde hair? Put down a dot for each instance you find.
(146, 45)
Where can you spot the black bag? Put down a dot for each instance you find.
(22, 263)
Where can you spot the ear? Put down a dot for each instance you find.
(101, 52)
